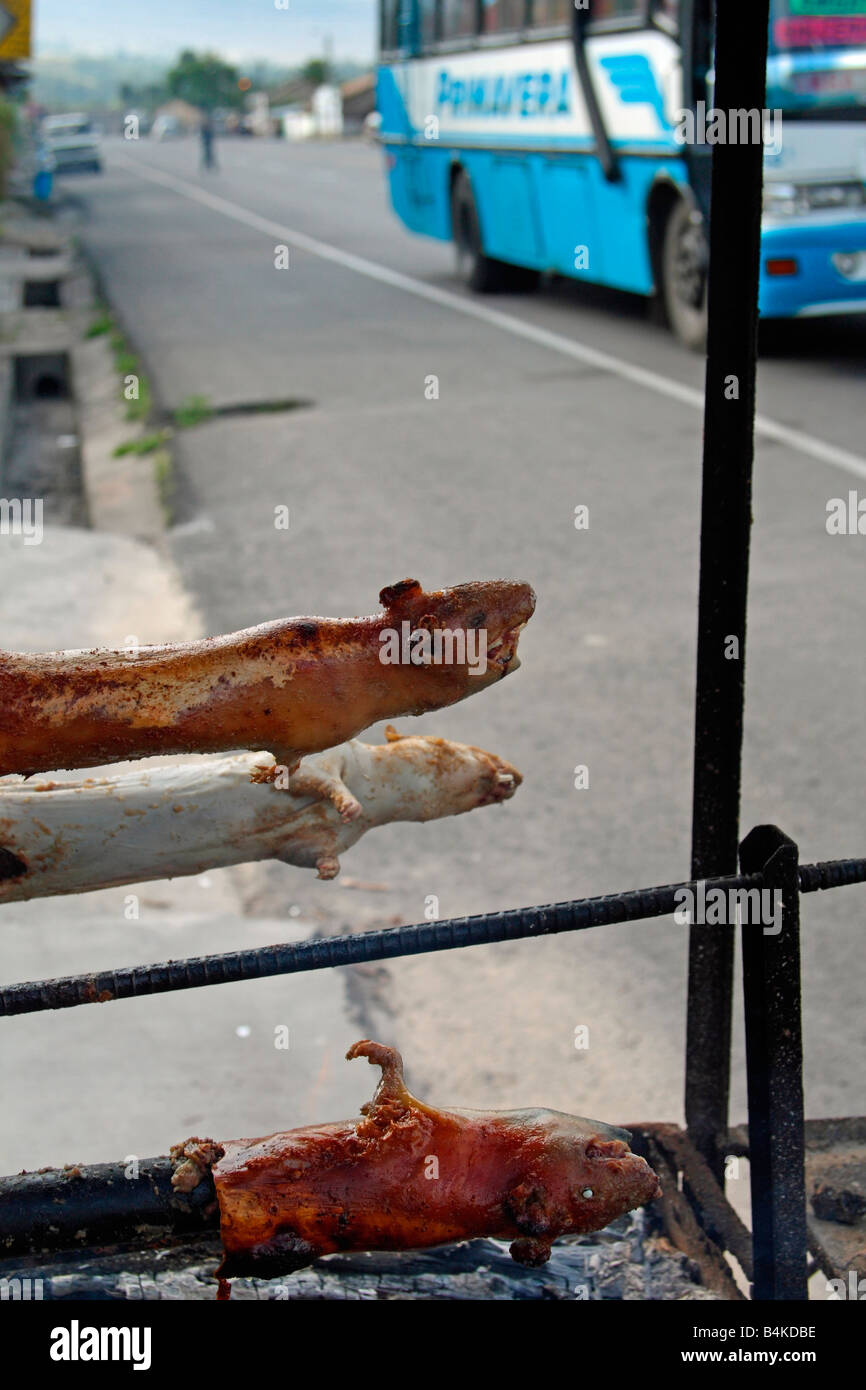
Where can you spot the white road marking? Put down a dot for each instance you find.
(765, 427)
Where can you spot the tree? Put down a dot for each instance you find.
(142, 98)
(316, 71)
(204, 80)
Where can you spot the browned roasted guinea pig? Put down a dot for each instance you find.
(290, 687)
(408, 1175)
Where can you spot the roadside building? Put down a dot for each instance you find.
(359, 102)
(328, 111)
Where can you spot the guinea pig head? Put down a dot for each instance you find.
(429, 777)
(453, 642)
(582, 1175)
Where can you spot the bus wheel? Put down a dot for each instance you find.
(685, 257)
(480, 272)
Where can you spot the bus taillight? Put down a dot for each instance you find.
(783, 265)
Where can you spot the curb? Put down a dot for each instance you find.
(122, 493)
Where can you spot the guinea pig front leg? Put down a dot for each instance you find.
(325, 783)
(318, 776)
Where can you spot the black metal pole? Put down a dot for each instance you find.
(735, 236)
(774, 1069)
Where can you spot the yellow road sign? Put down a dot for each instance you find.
(14, 29)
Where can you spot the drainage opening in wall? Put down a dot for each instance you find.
(42, 376)
(41, 294)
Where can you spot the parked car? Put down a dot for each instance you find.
(73, 142)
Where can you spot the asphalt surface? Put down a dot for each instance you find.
(382, 482)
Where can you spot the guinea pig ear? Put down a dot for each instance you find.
(393, 594)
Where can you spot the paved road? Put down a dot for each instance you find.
(483, 481)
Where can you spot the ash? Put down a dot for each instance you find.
(627, 1261)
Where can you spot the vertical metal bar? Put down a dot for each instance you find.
(735, 234)
(774, 1068)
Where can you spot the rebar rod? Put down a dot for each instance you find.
(292, 958)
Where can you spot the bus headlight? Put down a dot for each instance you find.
(781, 200)
(850, 264)
(830, 196)
(796, 200)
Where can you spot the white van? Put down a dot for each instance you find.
(73, 142)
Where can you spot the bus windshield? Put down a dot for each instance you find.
(817, 58)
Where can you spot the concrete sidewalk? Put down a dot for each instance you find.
(96, 1084)
(100, 1083)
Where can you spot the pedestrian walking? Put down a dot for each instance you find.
(206, 130)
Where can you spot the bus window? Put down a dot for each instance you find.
(459, 19)
(547, 13)
(428, 23)
(500, 16)
(389, 40)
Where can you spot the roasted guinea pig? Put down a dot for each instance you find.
(287, 688)
(184, 818)
(408, 1175)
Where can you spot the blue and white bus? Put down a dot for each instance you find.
(574, 137)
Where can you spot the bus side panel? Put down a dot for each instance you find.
(391, 105)
(572, 244)
(559, 213)
(418, 178)
(438, 208)
(418, 184)
(507, 203)
(623, 259)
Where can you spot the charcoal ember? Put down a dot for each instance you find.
(845, 1205)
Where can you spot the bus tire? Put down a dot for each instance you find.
(684, 261)
(478, 271)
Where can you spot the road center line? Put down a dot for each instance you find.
(765, 427)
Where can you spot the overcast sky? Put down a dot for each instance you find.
(237, 29)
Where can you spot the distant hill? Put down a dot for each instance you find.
(71, 82)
